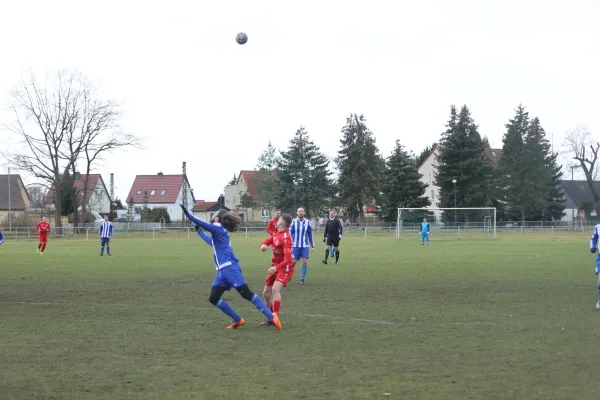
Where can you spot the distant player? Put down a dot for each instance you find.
(229, 271)
(282, 265)
(42, 228)
(594, 248)
(302, 236)
(272, 224)
(332, 236)
(424, 229)
(1, 237)
(105, 232)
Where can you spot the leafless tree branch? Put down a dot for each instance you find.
(583, 148)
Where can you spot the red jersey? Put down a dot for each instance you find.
(42, 228)
(282, 250)
(272, 227)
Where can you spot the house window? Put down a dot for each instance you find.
(265, 212)
(152, 192)
(140, 191)
(432, 195)
(163, 192)
(430, 178)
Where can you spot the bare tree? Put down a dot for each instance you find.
(583, 148)
(62, 122)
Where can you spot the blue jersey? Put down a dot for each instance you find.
(301, 233)
(106, 230)
(220, 241)
(424, 227)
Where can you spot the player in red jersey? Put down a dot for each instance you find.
(282, 268)
(42, 228)
(272, 224)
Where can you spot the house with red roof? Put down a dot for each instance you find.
(19, 200)
(160, 191)
(96, 194)
(205, 209)
(246, 183)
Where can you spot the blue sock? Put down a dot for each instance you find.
(262, 307)
(108, 250)
(304, 270)
(331, 252)
(226, 308)
(101, 250)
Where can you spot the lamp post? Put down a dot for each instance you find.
(454, 183)
(295, 187)
(9, 204)
(573, 167)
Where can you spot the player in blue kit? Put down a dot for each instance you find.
(424, 229)
(229, 271)
(594, 248)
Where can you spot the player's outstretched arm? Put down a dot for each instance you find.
(204, 225)
(268, 241)
(207, 239)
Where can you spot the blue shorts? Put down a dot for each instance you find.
(299, 252)
(424, 234)
(229, 277)
(104, 240)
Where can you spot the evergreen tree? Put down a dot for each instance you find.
(360, 167)
(304, 164)
(267, 161)
(221, 199)
(424, 154)
(265, 181)
(401, 184)
(463, 158)
(546, 175)
(233, 181)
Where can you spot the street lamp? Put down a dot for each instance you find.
(295, 187)
(573, 206)
(454, 183)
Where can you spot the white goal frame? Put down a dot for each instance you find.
(489, 223)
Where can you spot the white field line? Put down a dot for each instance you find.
(333, 318)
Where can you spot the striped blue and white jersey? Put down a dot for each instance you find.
(106, 230)
(595, 236)
(301, 233)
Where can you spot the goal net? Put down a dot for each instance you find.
(448, 223)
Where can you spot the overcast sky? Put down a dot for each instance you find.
(195, 95)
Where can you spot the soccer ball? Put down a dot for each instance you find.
(241, 38)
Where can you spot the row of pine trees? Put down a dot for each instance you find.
(525, 186)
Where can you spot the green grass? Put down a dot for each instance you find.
(474, 319)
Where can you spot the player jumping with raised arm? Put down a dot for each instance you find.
(105, 232)
(42, 228)
(229, 271)
(282, 265)
(594, 248)
(332, 236)
(424, 229)
(302, 236)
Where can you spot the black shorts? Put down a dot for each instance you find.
(335, 242)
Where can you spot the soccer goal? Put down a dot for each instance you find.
(448, 223)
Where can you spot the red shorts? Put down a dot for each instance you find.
(279, 276)
(43, 239)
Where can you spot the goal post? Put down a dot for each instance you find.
(449, 223)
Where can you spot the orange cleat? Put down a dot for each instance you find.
(237, 324)
(277, 322)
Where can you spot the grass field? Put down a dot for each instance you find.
(471, 319)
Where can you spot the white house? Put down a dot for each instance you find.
(579, 201)
(246, 183)
(96, 194)
(160, 191)
(428, 168)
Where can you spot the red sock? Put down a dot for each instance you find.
(271, 307)
(43, 247)
(276, 306)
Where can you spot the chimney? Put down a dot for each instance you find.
(160, 173)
